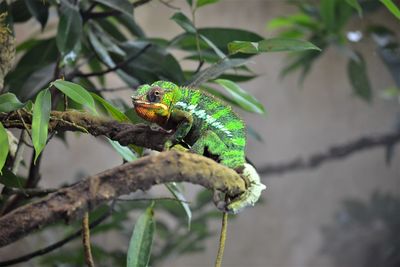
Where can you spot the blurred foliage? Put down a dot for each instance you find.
(326, 23)
(365, 233)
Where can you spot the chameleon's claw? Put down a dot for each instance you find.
(248, 198)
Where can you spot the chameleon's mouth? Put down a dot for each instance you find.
(149, 111)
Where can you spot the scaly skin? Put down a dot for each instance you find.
(207, 125)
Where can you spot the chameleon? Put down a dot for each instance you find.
(207, 126)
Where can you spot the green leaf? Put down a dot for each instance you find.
(139, 250)
(124, 151)
(114, 112)
(220, 37)
(245, 100)
(178, 194)
(40, 120)
(184, 22)
(213, 46)
(357, 73)
(76, 93)
(69, 27)
(123, 6)
(355, 5)
(39, 10)
(392, 7)
(214, 71)
(201, 3)
(3, 146)
(9, 102)
(270, 45)
(327, 13)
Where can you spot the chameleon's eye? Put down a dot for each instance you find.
(154, 95)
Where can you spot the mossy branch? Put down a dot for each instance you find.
(71, 202)
(72, 120)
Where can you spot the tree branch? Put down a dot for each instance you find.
(71, 120)
(71, 202)
(333, 153)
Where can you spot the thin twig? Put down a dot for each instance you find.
(86, 240)
(29, 192)
(117, 66)
(222, 240)
(153, 199)
(333, 153)
(168, 4)
(56, 245)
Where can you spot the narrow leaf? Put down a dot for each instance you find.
(178, 194)
(392, 7)
(69, 27)
(327, 13)
(124, 151)
(3, 146)
(270, 45)
(40, 120)
(215, 70)
(184, 22)
(9, 102)
(99, 48)
(123, 6)
(76, 93)
(213, 46)
(355, 5)
(114, 112)
(39, 10)
(357, 72)
(139, 250)
(201, 3)
(245, 100)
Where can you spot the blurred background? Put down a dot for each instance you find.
(345, 212)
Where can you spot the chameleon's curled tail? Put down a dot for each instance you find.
(252, 194)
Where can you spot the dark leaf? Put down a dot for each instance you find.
(38, 9)
(21, 81)
(184, 22)
(354, 4)
(131, 25)
(124, 6)
(69, 27)
(19, 11)
(40, 120)
(357, 73)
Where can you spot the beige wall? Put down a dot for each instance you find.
(286, 230)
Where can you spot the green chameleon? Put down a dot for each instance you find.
(208, 126)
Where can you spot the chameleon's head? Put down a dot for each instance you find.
(153, 102)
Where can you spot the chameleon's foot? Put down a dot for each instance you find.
(248, 198)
